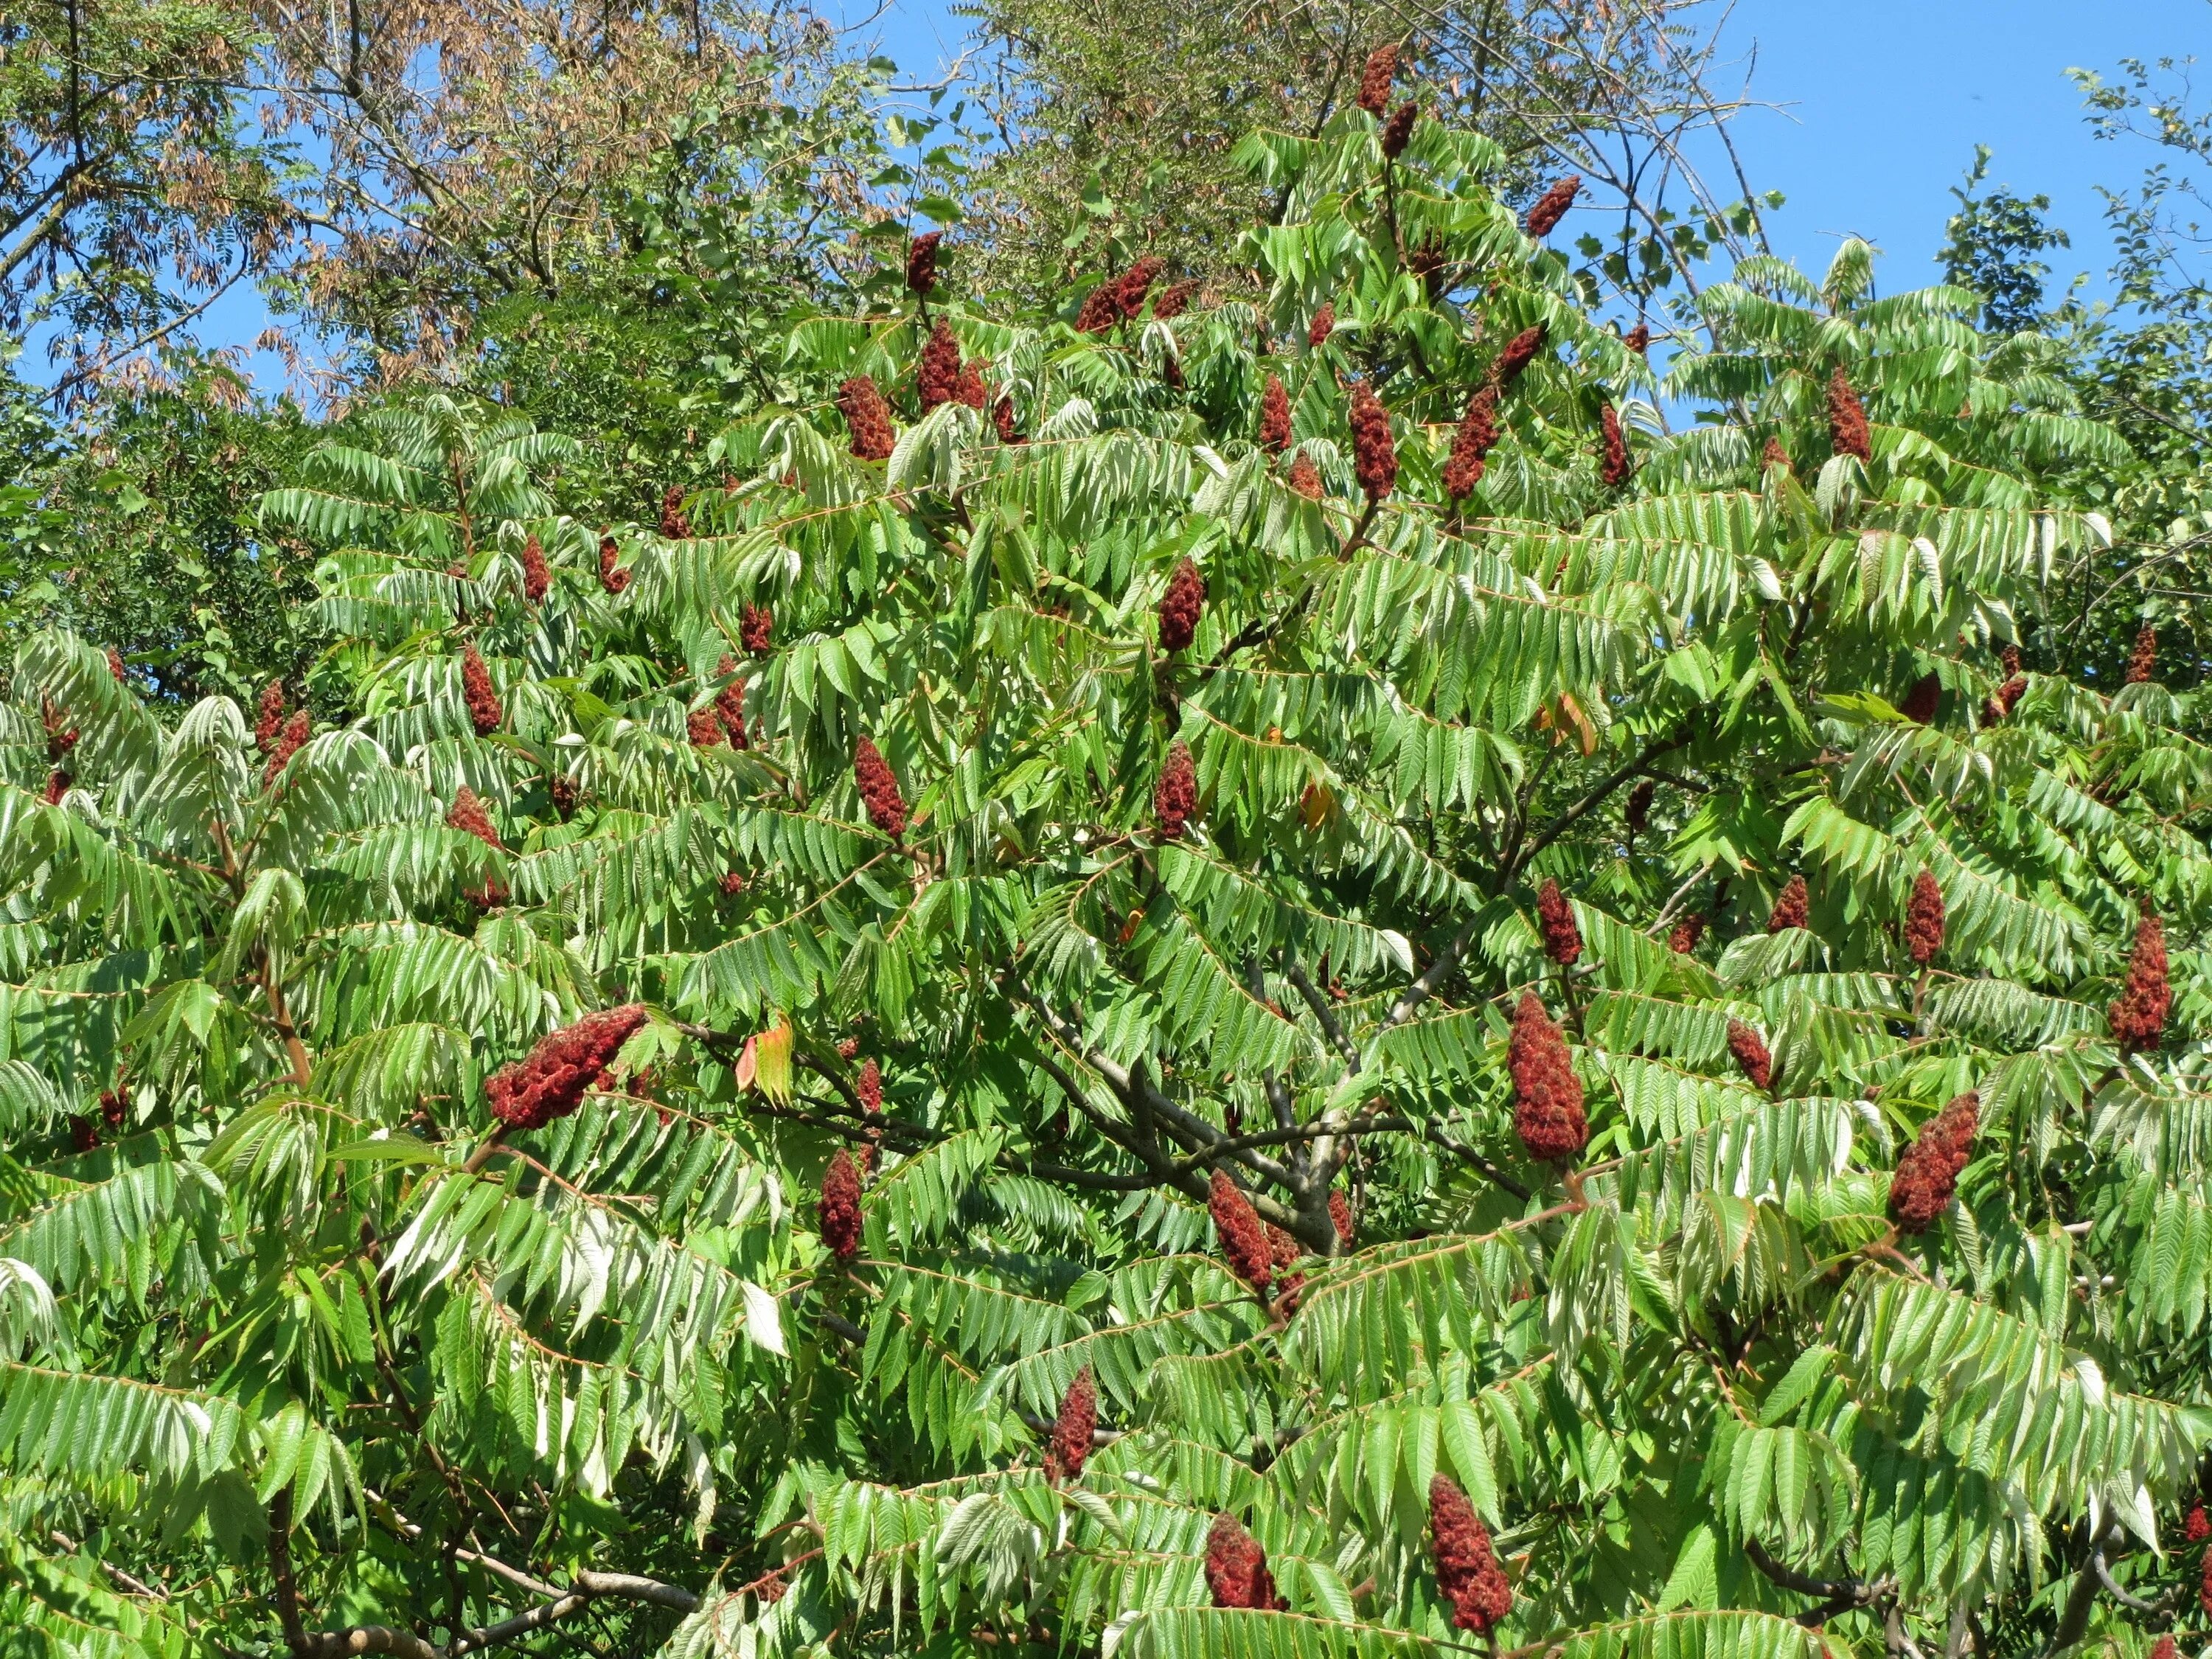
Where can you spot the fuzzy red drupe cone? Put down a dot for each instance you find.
(1551, 206)
(1639, 339)
(1927, 1173)
(1687, 932)
(550, 1081)
(1323, 326)
(2004, 700)
(1563, 940)
(1182, 605)
(58, 785)
(2204, 1592)
(2142, 661)
(271, 719)
(115, 665)
(1921, 702)
(1426, 260)
(1520, 351)
(1339, 1217)
(1471, 443)
(1132, 287)
(84, 1133)
(2009, 656)
(1638, 814)
(1847, 421)
(537, 578)
(2165, 1648)
(1236, 1568)
(1776, 455)
(485, 713)
(675, 523)
(1374, 455)
(869, 1086)
(1305, 476)
(1243, 1240)
(729, 701)
(561, 790)
(2197, 1527)
(1547, 1095)
(704, 727)
(733, 883)
(838, 1214)
(289, 742)
(61, 737)
(1792, 906)
(1374, 79)
(937, 379)
(1002, 417)
(114, 1106)
(468, 814)
(1466, 1567)
(1072, 1428)
(1924, 919)
(867, 419)
(1274, 416)
(971, 388)
(756, 630)
(1101, 308)
(921, 262)
(612, 577)
(2138, 1018)
(879, 789)
(1614, 466)
(1398, 130)
(1175, 798)
(1751, 1053)
(1174, 301)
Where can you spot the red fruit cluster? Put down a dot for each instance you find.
(1921, 701)
(612, 577)
(2142, 661)
(1687, 932)
(1174, 301)
(84, 1133)
(550, 1081)
(1547, 1095)
(1520, 351)
(2138, 1018)
(1637, 814)
(1132, 287)
(1236, 1568)
(1928, 1173)
(1924, 919)
(1374, 455)
(271, 719)
(838, 1214)
(1551, 206)
(1339, 1217)
(1614, 466)
(1323, 326)
(1847, 421)
(870, 1087)
(1274, 416)
(1639, 339)
(1002, 417)
(1243, 1240)
(971, 388)
(289, 742)
(2004, 700)
(58, 784)
(1751, 1053)
(1563, 940)
(1101, 308)
(2009, 656)
(921, 262)
(867, 418)
(1175, 798)
(561, 789)
(537, 578)
(1776, 455)
(115, 665)
(1426, 260)
(1077, 1422)
(60, 737)
(2163, 1648)
(1471, 443)
(1374, 79)
(1466, 1567)
(114, 1106)
(1182, 605)
(1305, 476)
(675, 523)
(937, 381)
(467, 813)
(1791, 907)
(733, 883)
(704, 726)
(756, 627)
(2204, 1590)
(879, 789)
(2197, 1527)
(485, 713)
(1398, 130)
(729, 701)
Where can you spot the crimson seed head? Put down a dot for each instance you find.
(2165, 1648)
(869, 1086)
(271, 717)
(1374, 79)
(867, 419)
(1426, 260)
(1551, 206)
(2204, 1591)
(612, 577)
(467, 814)
(1236, 1568)
(1791, 907)
(729, 701)
(1175, 798)
(921, 262)
(1563, 940)
(1305, 476)
(2004, 700)
(1776, 455)
(733, 883)
(1174, 301)
(1398, 130)
(937, 379)
(114, 1107)
(84, 1133)
(838, 1214)
(1323, 326)
(1077, 1422)
(1339, 1217)
(61, 737)
(2009, 656)
(289, 742)
(879, 789)
(1920, 702)
(1547, 1109)
(2138, 1018)
(1614, 466)
(2142, 661)
(1471, 443)
(1638, 814)
(1101, 308)
(1639, 339)
(1132, 286)
(1374, 454)
(971, 388)
(1847, 422)
(1244, 1241)
(2197, 1527)
(756, 627)
(1520, 351)
(675, 523)
(1182, 605)
(1002, 417)
(1751, 1053)
(704, 726)
(115, 665)
(58, 785)
(1924, 919)
(537, 578)
(1687, 932)
(1928, 1173)
(1274, 416)
(1466, 1567)
(561, 790)
(485, 713)
(550, 1081)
